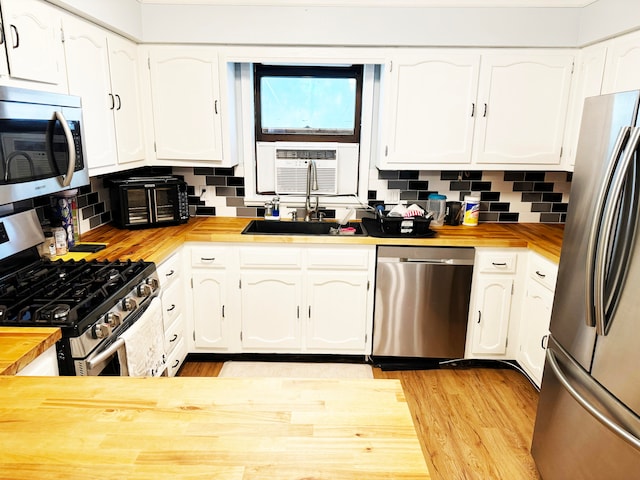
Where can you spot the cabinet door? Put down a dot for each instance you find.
(271, 310)
(209, 298)
(623, 57)
(431, 106)
(588, 75)
(125, 83)
(34, 43)
(88, 71)
(534, 329)
(490, 315)
(336, 311)
(186, 103)
(522, 100)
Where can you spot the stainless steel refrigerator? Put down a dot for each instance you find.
(588, 424)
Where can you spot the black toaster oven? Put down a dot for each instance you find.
(144, 202)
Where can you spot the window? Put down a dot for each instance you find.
(308, 103)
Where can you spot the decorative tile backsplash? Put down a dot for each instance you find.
(513, 196)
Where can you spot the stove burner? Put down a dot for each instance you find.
(56, 312)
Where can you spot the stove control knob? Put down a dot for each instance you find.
(112, 319)
(129, 304)
(101, 330)
(144, 290)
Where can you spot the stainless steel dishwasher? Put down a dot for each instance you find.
(422, 301)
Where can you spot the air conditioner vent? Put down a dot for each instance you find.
(305, 154)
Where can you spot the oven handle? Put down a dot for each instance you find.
(102, 356)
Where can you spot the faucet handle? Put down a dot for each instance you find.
(294, 216)
(321, 216)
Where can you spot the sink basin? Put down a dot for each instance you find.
(268, 227)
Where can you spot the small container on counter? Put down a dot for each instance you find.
(471, 211)
(60, 238)
(47, 249)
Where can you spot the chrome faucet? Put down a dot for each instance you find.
(312, 184)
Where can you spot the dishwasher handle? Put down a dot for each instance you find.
(427, 261)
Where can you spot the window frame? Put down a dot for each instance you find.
(261, 70)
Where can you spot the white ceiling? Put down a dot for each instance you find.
(387, 3)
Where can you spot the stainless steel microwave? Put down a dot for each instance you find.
(41, 150)
(143, 202)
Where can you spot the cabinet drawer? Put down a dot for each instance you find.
(497, 263)
(209, 257)
(173, 336)
(172, 303)
(338, 258)
(271, 257)
(169, 270)
(543, 271)
(176, 358)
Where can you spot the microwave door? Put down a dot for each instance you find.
(165, 204)
(138, 207)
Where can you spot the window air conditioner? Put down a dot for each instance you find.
(291, 170)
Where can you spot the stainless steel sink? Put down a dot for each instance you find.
(268, 227)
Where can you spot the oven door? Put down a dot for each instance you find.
(110, 358)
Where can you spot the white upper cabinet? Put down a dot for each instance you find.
(33, 42)
(185, 94)
(522, 108)
(430, 108)
(623, 64)
(451, 109)
(103, 69)
(588, 73)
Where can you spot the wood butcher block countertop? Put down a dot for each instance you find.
(19, 346)
(156, 244)
(210, 428)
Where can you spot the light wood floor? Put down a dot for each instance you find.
(472, 423)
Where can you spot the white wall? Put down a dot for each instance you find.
(372, 26)
(122, 16)
(607, 18)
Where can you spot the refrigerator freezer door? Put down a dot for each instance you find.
(602, 121)
(569, 441)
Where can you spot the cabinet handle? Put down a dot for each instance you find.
(172, 307)
(309, 311)
(215, 106)
(168, 274)
(222, 311)
(176, 363)
(484, 114)
(541, 275)
(207, 259)
(16, 36)
(175, 337)
(119, 102)
(473, 109)
(298, 311)
(479, 316)
(544, 342)
(113, 101)
(499, 264)
(1, 34)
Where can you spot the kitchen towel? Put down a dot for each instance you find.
(144, 344)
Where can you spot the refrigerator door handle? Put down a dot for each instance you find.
(593, 267)
(587, 405)
(609, 221)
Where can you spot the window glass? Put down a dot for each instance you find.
(308, 103)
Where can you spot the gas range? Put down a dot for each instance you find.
(92, 302)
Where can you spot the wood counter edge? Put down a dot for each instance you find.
(37, 340)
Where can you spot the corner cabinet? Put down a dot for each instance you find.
(536, 315)
(213, 278)
(186, 105)
(103, 70)
(490, 313)
(489, 109)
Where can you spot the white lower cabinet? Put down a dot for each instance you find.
(536, 315)
(282, 299)
(213, 276)
(494, 288)
(173, 311)
(44, 365)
